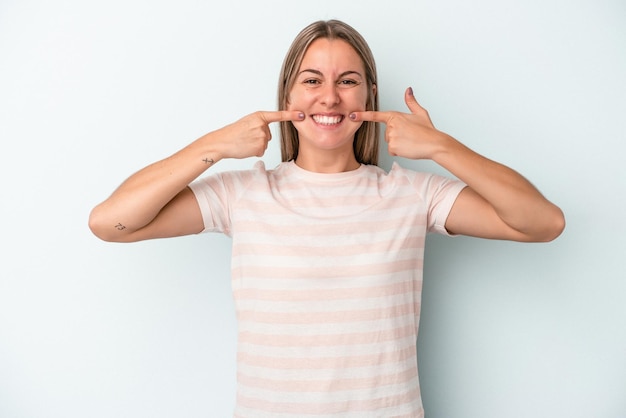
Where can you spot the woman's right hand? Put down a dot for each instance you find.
(249, 136)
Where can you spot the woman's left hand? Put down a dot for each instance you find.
(409, 135)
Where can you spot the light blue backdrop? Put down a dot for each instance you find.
(92, 91)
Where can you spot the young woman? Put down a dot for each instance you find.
(327, 247)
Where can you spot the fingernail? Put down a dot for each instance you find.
(411, 91)
(301, 115)
(352, 116)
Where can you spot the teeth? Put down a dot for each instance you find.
(327, 120)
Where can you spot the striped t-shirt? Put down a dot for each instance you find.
(326, 278)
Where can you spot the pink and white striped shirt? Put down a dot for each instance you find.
(327, 278)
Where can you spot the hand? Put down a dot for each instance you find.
(409, 135)
(249, 136)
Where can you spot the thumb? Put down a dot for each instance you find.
(411, 102)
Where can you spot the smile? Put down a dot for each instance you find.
(327, 120)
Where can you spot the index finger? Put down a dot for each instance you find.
(370, 116)
(281, 115)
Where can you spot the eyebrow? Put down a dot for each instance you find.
(345, 73)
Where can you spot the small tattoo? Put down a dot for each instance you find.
(120, 227)
(209, 161)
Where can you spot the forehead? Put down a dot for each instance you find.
(331, 54)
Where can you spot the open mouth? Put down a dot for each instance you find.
(327, 120)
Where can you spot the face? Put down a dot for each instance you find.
(331, 83)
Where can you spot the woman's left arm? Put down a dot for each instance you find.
(498, 203)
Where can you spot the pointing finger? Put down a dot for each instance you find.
(370, 116)
(282, 115)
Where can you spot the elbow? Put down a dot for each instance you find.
(554, 225)
(96, 227)
(560, 227)
(100, 227)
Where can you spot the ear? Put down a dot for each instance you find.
(374, 89)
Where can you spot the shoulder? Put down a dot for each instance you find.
(415, 177)
(235, 177)
(231, 182)
(425, 183)
(400, 173)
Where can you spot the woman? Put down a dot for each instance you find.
(327, 247)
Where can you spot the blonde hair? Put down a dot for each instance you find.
(366, 137)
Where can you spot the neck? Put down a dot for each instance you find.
(327, 162)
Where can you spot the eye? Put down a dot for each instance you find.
(312, 81)
(348, 82)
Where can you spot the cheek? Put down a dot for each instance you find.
(358, 98)
(296, 98)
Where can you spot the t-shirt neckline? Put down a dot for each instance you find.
(324, 177)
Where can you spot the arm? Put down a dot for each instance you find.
(498, 203)
(155, 202)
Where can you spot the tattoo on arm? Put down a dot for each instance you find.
(209, 161)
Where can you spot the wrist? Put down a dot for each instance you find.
(208, 148)
(444, 147)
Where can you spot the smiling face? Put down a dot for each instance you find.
(330, 84)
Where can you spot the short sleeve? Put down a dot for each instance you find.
(214, 202)
(439, 194)
(217, 195)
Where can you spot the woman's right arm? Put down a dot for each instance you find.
(155, 202)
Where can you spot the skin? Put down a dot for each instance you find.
(498, 203)
(331, 82)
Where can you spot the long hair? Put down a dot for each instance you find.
(366, 137)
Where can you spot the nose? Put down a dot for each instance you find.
(330, 95)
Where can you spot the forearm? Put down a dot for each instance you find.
(515, 200)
